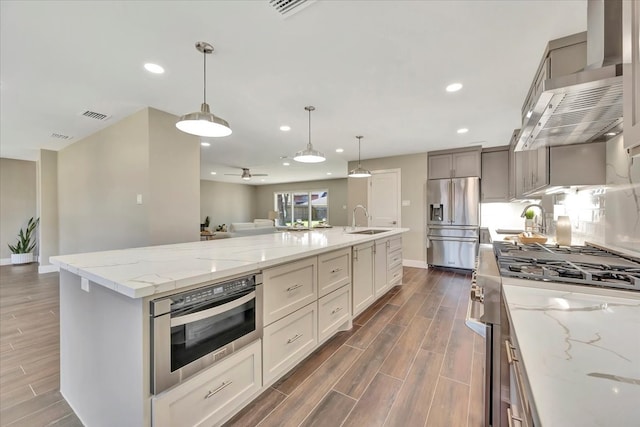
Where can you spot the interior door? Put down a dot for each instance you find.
(384, 198)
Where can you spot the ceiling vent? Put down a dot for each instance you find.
(287, 8)
(60, 136)
(96, 116)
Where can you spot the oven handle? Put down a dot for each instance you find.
(194, 317)
(475, 310)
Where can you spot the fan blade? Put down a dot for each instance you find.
(259, 174)
(233, 174)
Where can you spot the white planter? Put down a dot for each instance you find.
(21, 258)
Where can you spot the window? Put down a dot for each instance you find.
(306, 208)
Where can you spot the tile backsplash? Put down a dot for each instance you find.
(611, 214)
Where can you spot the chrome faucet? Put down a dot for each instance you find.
(543, 226)
(353, 218)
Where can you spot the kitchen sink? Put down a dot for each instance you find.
(368, 232)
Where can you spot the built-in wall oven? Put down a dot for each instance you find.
(192, 330)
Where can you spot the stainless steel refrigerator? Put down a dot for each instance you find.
(453, 215)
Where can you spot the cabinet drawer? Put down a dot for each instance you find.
(288, 288)
(394, 258)
(395, 243)
(289, 340)
(212, 395)
(334, 270)
(394, 276)
(333, 310)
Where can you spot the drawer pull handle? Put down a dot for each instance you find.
(222, 386)
(336, 310)
(511, 417)
(335, 270)
(295, 338)
(510, 356)
(294, 287)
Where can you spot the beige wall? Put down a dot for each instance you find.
(101, 176)
(17, 200)
(174, 181)
(337, 189)
(48, 205)
(225, 203)
(413, 169)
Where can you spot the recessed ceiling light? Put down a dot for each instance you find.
(285, 128)
(329, 173)
(153, 68)
(463, 130)
(285, 164)
(339, 150)
(610, 134)
(454, 87)
(205, 144)
(262, 180)
(214, 173)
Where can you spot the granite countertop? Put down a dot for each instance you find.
(141, 272)
(580, 349)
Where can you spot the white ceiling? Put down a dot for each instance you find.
(372, 68)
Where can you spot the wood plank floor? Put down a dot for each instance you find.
(30, 350)
(408, 361)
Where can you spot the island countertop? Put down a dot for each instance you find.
(580, 351)
(140, 272)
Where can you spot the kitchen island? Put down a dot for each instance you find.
(105, 318)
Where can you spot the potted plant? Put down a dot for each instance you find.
(21, 252)
(528, 222)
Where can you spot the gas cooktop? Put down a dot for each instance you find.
(583, 265)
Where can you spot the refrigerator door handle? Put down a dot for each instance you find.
(453, 202)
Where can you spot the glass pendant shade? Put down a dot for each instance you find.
(359, 172)
(309, 155)
(203, 122)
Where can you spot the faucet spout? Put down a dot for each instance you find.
(353, 217)
(543, 225)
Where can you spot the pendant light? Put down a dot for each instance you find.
(309, 155)
(203, 122)
(359, 172)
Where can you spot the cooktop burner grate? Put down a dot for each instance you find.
(568, 264)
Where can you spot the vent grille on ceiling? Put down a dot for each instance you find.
(93, 115)
(60, 136)
(289, 7)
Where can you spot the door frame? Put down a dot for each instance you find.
(398, 172)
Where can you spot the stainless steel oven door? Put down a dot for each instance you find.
(188, 341)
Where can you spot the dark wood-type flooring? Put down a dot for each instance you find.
(408, 361)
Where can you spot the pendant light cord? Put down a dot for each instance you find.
(204, 52)
(359, 138)
(309, 129)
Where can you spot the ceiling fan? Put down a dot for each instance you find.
(246, 174)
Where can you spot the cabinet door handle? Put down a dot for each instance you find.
(336, 310)
(510, 356)
(335, 270)
(222, 386)
(294, 287)
(296, 337)
(355, 254)
(511, 417)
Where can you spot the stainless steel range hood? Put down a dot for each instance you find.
(585, 105)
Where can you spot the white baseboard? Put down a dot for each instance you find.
(48, 269)
(5, 261)
(414, 263)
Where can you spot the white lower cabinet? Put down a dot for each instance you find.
(333, 311)
(209, 397)
(381, 284)
(363, 285)
(289, 287)
(288, 340)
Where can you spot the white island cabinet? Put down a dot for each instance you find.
(105, 339)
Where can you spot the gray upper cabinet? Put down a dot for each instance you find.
(631, 75)
(458, 164)
(495, 176)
